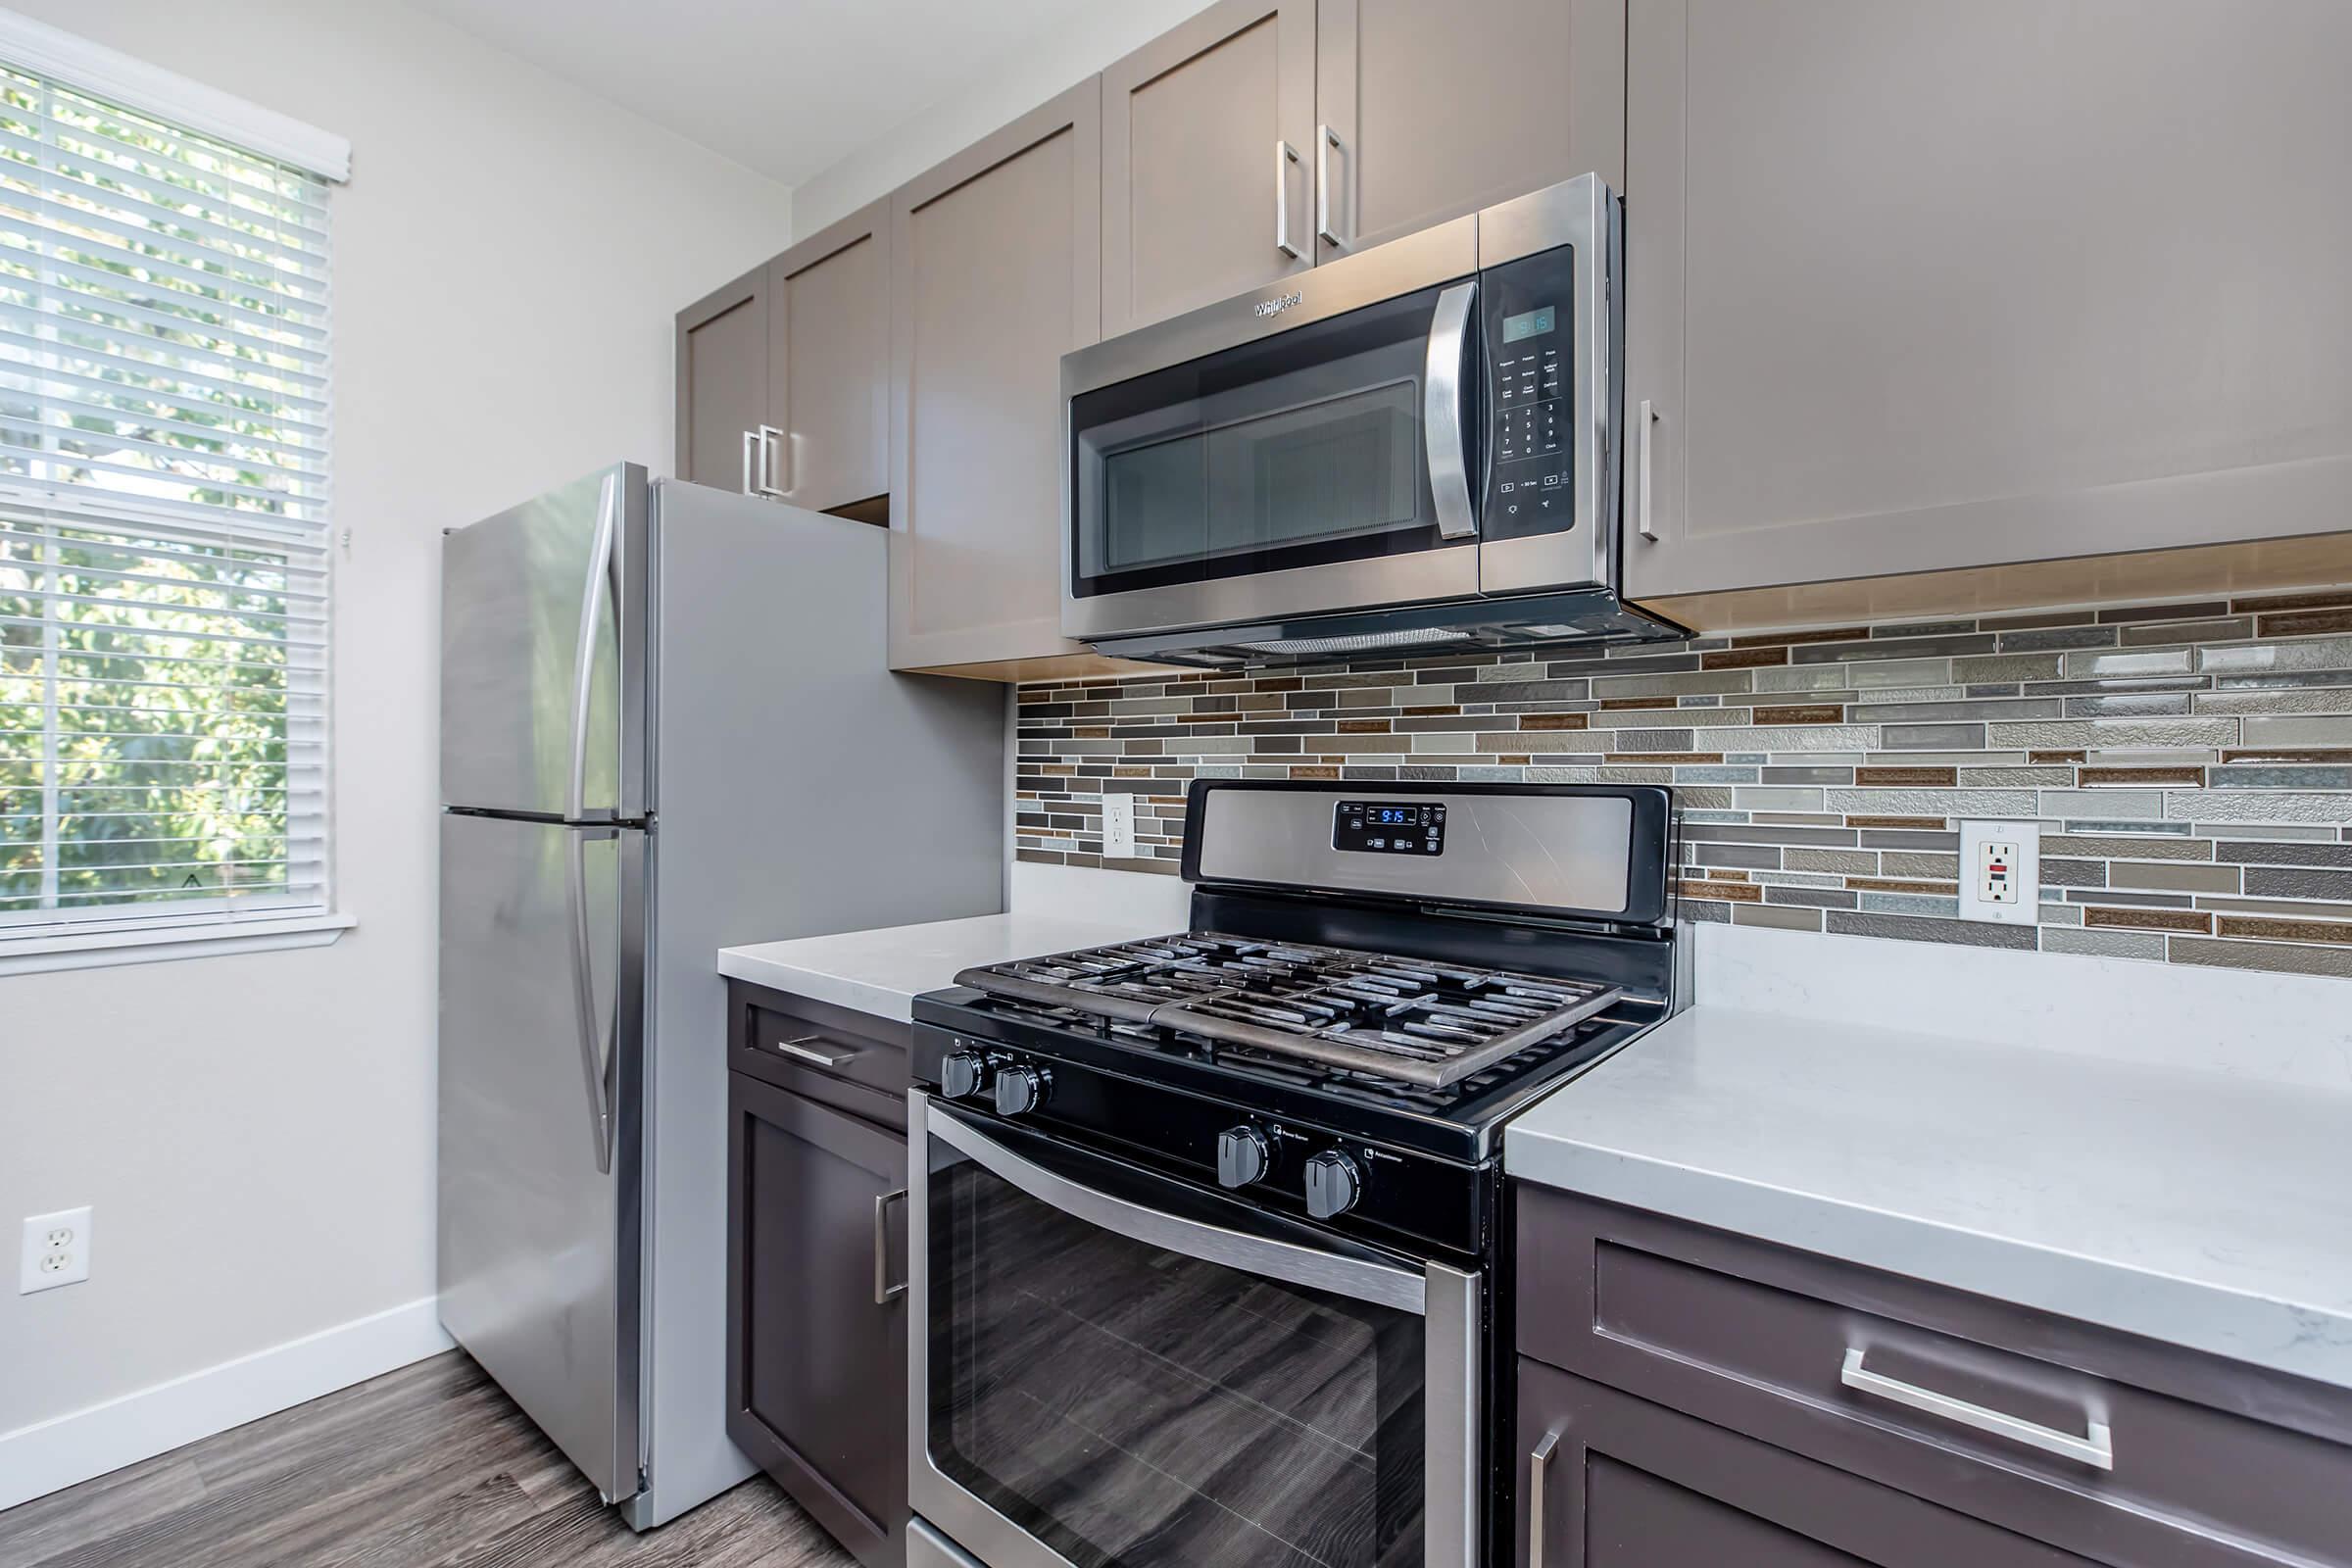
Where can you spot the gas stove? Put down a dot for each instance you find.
(1238, 1188)
(1389, 1006)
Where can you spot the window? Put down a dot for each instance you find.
(163, 511)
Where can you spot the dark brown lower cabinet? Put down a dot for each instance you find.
(816, 1342)
(1701, 1396)
(1626, 1484)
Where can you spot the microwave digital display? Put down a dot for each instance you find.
(1389, 827)
(1527, 323)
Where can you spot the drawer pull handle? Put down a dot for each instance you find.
(2096, 1450)
(1538, 1463)
(804, 1048)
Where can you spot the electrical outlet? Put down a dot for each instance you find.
(55, 1250)
(1996, 871)
(1119, 827)
(2000, 872)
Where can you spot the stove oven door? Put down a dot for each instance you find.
(1113, 1368)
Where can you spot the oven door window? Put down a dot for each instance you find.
(1124, 1403)
(1299, 450)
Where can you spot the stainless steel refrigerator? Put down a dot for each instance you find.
(666, 727)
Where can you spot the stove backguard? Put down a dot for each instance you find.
(1587, 852)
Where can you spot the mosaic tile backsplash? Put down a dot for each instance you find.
(2191, 764)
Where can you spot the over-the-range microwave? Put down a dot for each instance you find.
(1410, 448)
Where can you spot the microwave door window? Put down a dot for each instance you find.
(1155, 505)
(1342, 467)
(1297, 449)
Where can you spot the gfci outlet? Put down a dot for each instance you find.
(1119, 827)
(2000, 872)
(55, 1250)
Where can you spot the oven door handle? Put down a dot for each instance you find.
(1444, 416)
(1404, 1290)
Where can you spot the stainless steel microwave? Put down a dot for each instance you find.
(1413, 448)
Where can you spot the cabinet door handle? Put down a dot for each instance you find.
(767, 435)
(804, 1048)
(749, 439)
(1326, 139)
(1285, 155)
(2096, 1448)
(1539, 1466)
(884, 1292)
(1645, 423)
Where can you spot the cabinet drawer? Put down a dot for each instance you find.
(849, 1060)
(1953, 1397)
(1615, 1481)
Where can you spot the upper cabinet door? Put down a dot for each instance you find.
(722, 384)
(1206, 142)
(828, 319)
(1431, 111)
(1914, 287)
(996, 272)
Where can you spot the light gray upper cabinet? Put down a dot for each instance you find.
(1426, 112)
(828, 320)
(996, 272)
(1915, 287)
(722, 381)
(1207, 139)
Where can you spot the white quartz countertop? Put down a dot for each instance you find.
(2192, 1207)
(881, 972)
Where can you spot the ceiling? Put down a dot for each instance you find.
(786, 87)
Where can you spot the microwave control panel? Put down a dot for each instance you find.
(1525, 315)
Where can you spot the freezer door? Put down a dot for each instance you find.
(542, 1051)
(545, 654)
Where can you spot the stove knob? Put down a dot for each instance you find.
(1021, 1090)
(963, 1074)
(1241, 1156)
(1331, 1183)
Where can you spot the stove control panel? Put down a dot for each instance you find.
(1084, 1092)
(1389, 827)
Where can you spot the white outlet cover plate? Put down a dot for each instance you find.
(2026, 836)
(55, 1250)
(1119, 827)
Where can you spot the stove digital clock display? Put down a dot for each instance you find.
(1389, 827)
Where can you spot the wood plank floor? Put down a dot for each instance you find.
(428, 1468)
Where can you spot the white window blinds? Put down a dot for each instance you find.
(163, 589)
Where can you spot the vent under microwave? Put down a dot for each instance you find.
(1479, 625)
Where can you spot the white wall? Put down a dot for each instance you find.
(257, 1132)
(1043, 66)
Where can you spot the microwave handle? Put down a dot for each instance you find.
(1444, 422)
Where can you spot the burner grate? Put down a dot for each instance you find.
(1405, 1019)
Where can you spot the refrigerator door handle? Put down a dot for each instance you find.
(596, 1052)
(583, 667)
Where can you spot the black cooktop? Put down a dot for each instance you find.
(1456, 1120)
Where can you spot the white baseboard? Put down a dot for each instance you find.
(75, 1446)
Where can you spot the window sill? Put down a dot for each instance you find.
(97, 949)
